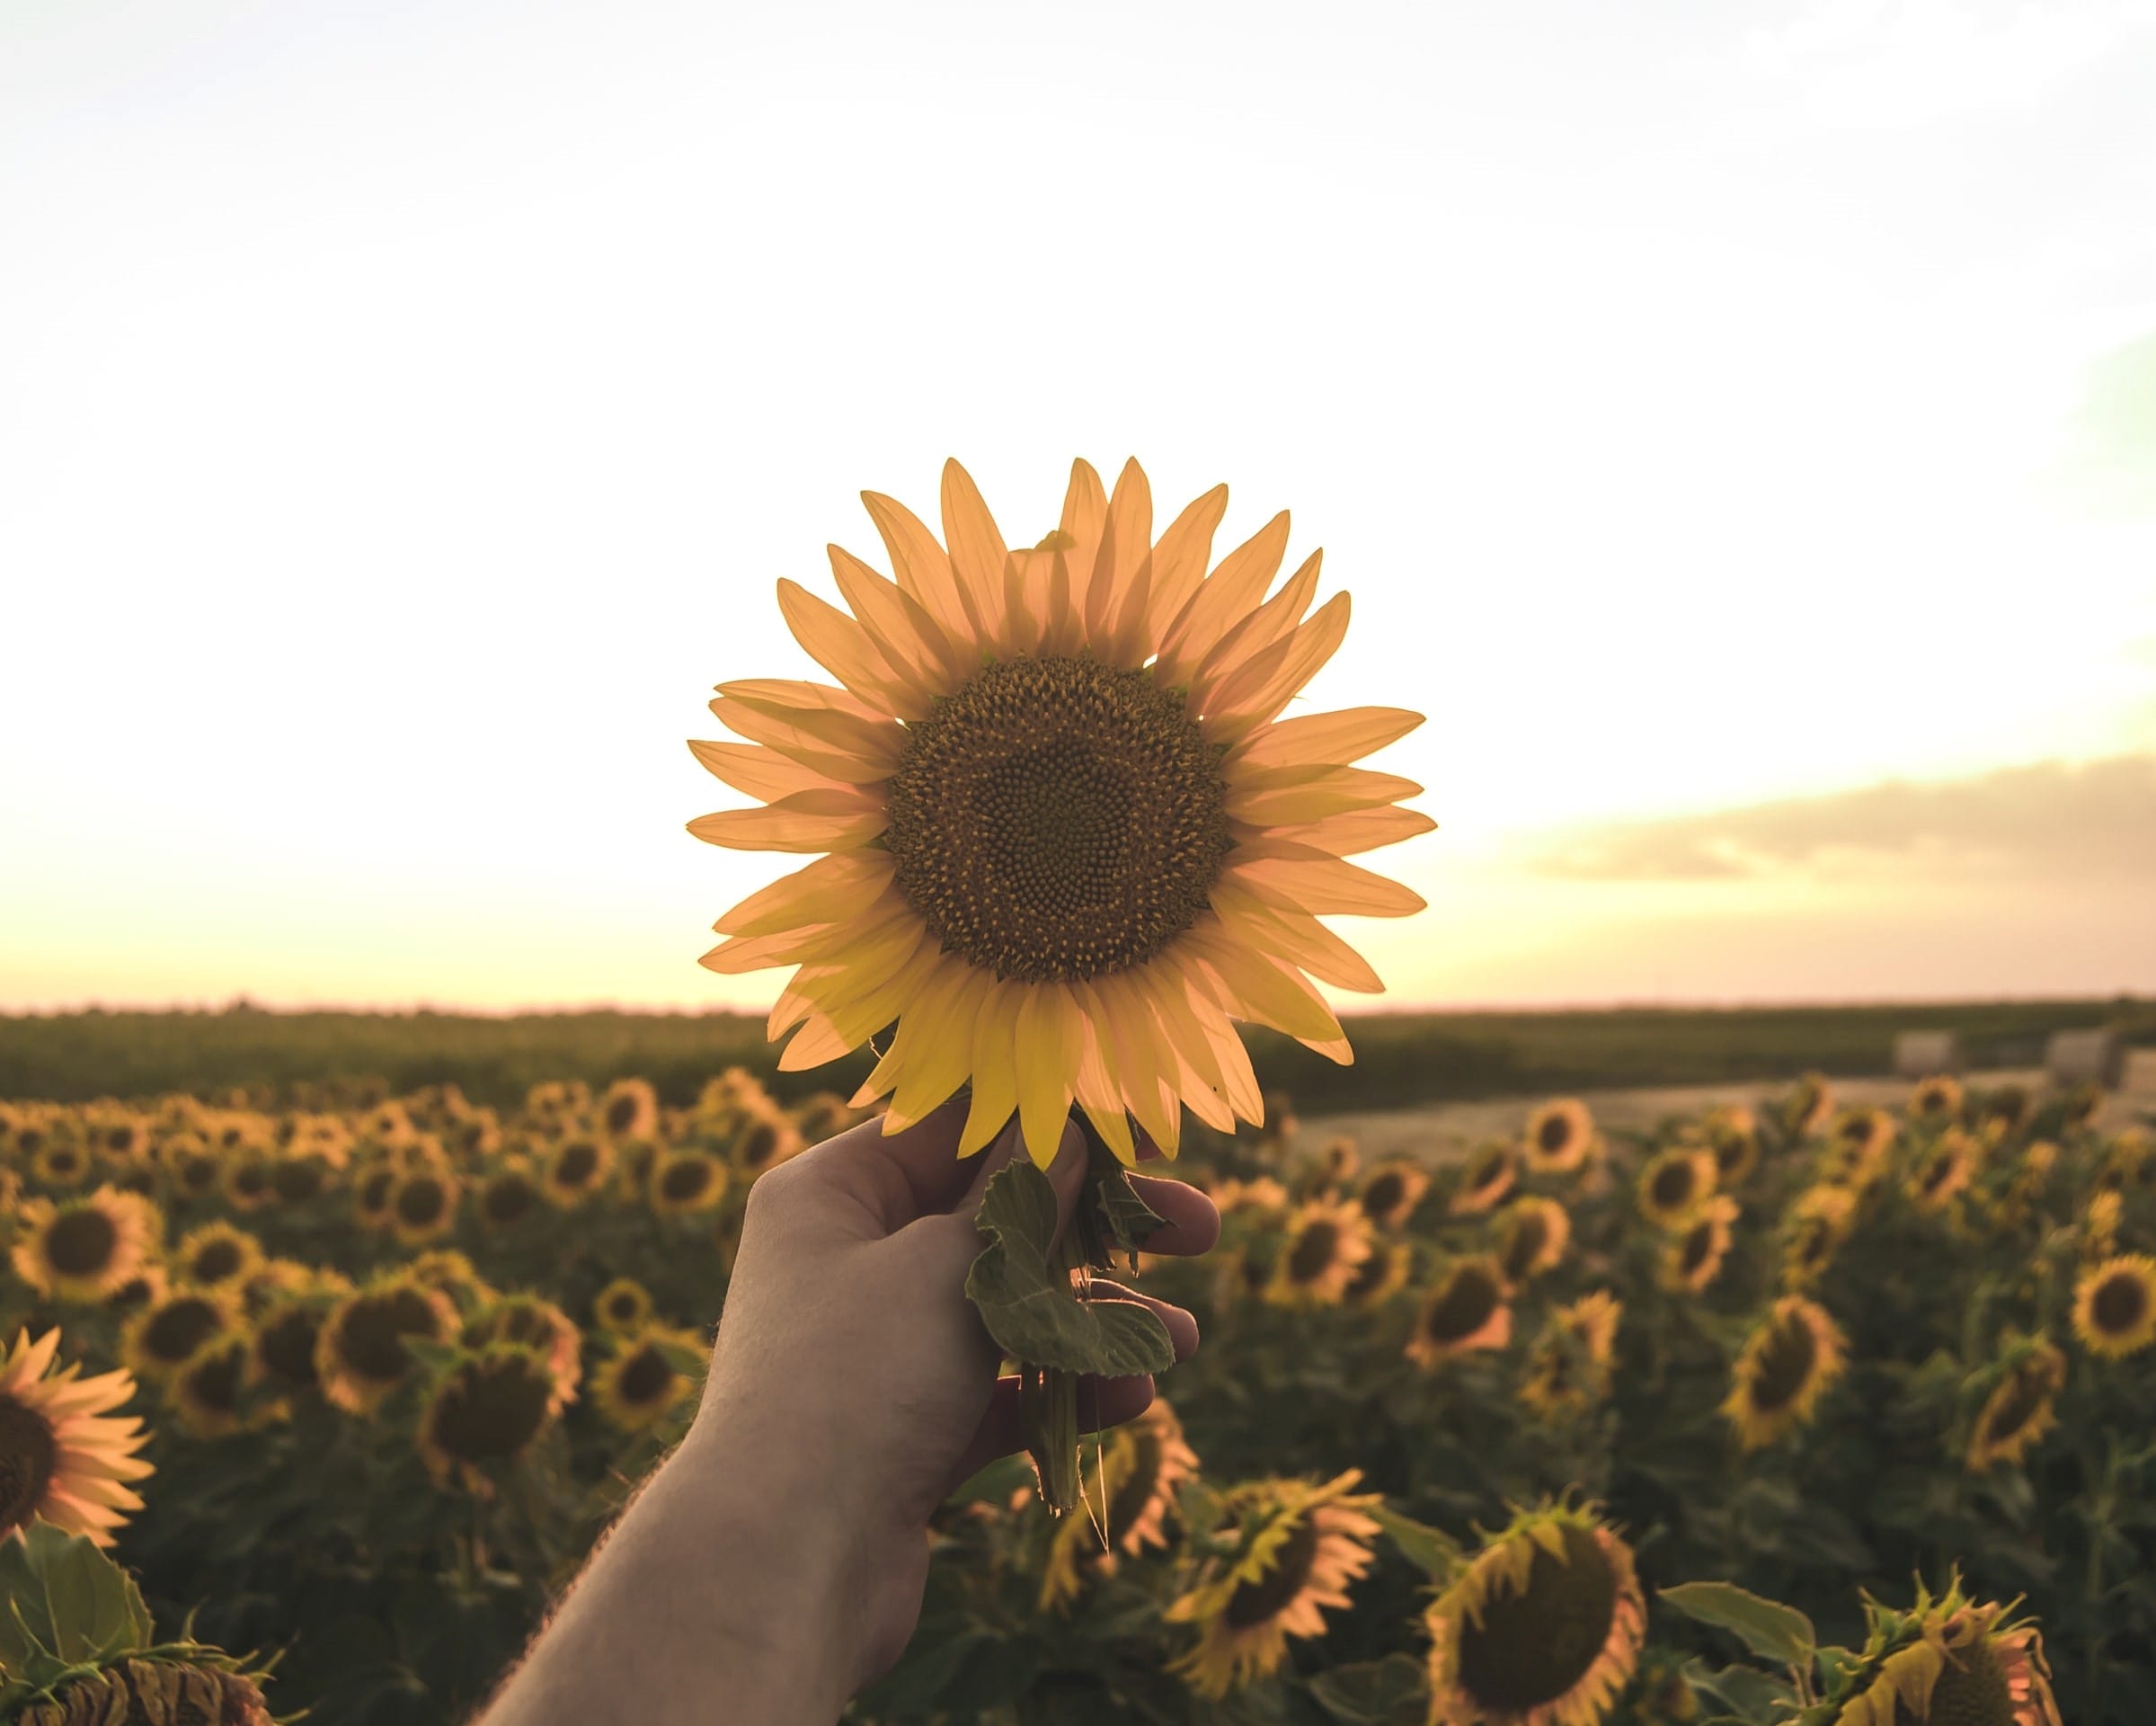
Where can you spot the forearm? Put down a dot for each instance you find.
(723, 1593)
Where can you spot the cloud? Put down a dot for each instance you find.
(2055, 819)
(2110, 460)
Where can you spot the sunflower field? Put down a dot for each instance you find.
(1840, 1416)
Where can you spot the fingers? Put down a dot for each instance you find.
(1181, 1327)
(1192, 1220)
(899, 1176)
(1102, 1403)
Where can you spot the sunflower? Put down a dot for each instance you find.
(1945, 1168)
(372, 1192)
(1817, 1224)
(389, 1124)
(1568, 1371)
(1542, 1627)
(283, 1342)
(1532, 1235)
(763, 1139)
(2005, 1107)
(361, 1358)
(1337, 1162)
(423, 1207)
(624, 1305)
(1789, 1359)
(1693, 1259)
(2099, 1227)
(1865, 1135)
(65, 1457)
(1382, 1276)
(686, 1181)
(1485, 1177)
(628, 1110)
(1733, 1135)
(146, 1284)
(247, 1182)
(216, 1255)
(486, 1409)
(1263, 1194)
(1069, 843)
(1296, 1547)
(1557, 1137)
(85, 1249)
(509, 1196)
(473, 1137)
(160, 1339)
(1391, 1191)
(645, 1378)
(194, 1168)
(534, 1322)
(209, 1393)
(1673, 1183)
(1327, 1241)
(1464, 1311)
(1805, 1108)
(1143, 1463)
(124, 1138)
(577, 1167)
(557, 1101)
(2019, 1410)
(1947, 1662)
(822, 1114)
(302, 1172)
(2114, 1306)
(61, 1163)
(1935, 1099)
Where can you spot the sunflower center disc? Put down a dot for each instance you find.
(2024, 1400)
(1972, 1691)
(214, 1382)
(647, 1377)
(286, 1344)
(1535, 1645)
(1785, 1364)
(1529, 1231)
(1383, 1194)
(217, 1260)
(1057, 819)
(1254, 1603)
(1463, 1309)
(372, 1337)
(492, 1408)
(2118, 1305)
(178, 1329)
(27, 1458)
(81, 1243)
(1314, 1251)
(1673, 1184)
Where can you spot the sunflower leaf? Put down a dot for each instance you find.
(1026, 1299)
(1391, 1692)
(1430, 1550)
(1771, 1630)
(68, 1604)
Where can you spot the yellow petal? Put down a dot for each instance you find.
(808, 821)
(1324, 887)
(1332, 738)
(1179, 560)
(1085, 508)
(995, 1070)
(906, 637)
(1263, 686)
(1125, 1021)
(1222, 600)
(1097, 1092)
(775, 694)
(830, 890)
(1062, 615)
(843, 648)
(816, 1042)
(790, 740)
(1263, 988)
(1159, 986)
(1126, 537)
(1295, 935)
(1359, 829)
(977, 549)
(761, 773)
(1273, 621)
(920, 564)
(939, 1054)
(873, 740)
(1047, 1048)
(1322, 792)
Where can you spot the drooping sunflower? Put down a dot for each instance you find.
(536, 1324)
(1935, 1099)
(1785, 1366)
(507, 1197)
(1946, 1662)
(161, 1338)
(474, 1138)
(1391, 1191)
(361, 1358)
(1485, 1178)
(1865, 1134)
(1464, 1311)
(2019, 1410)
(1143, 1463)
(684, 1182)
(624, 1305)
(1327, 1241)
(85, 1249)
(1693, 1259)
(1568, 1371)
(1558, 1135)
(2114, 1306)
(65, 1457)
(455, 1274)
(578, 1167)
(629, 1110)
(1382, 1276)
(1674, 1182)
(485, 1410)
(1069, 839)
(216, 1255)
(1733, 1135)
(283, 1342)
(1541, 1628)
(1296, 1548)
(1806, 1105)
(647, 1375)
(1946, 1167)
(2100, 1227)
(209, 1392)
(1817, 1224)
(1532, 1235)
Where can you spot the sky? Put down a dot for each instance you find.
(1736, 427)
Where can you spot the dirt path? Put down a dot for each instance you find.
(1444, 1130)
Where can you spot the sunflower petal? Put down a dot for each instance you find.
(757, 772)
(995, 1070)
(1334, 739)
(790, 740)
(1269, 991)
(808, 821)
(1302, 938)
(906, 637)
(874, 741)
(1324, 887)
(830, 890)
(1263, 686)
(1126, 537)
(1273, 621)
(847, 651)
(1049, 1047)
(976, 548)
(1221, 600)
(922, 565)
(1359, 829)
(1179, 560)
(1332, 791)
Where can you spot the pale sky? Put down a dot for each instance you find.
(1717, 412)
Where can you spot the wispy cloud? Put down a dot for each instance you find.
(2056, 820)
(2109, 463)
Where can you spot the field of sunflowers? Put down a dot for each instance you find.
(1811, 1413)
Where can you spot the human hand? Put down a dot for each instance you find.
(850, 1359)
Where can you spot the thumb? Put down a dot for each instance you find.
(954, 1232)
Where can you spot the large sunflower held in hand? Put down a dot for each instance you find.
(1069, 838)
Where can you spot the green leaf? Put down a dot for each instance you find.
(1124, 1219)
(1771, 1630)
(1391, 1692)
(1430, 1550)
(1026, 1300)
(67, 1604)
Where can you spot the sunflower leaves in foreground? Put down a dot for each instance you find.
(1025, 1296)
